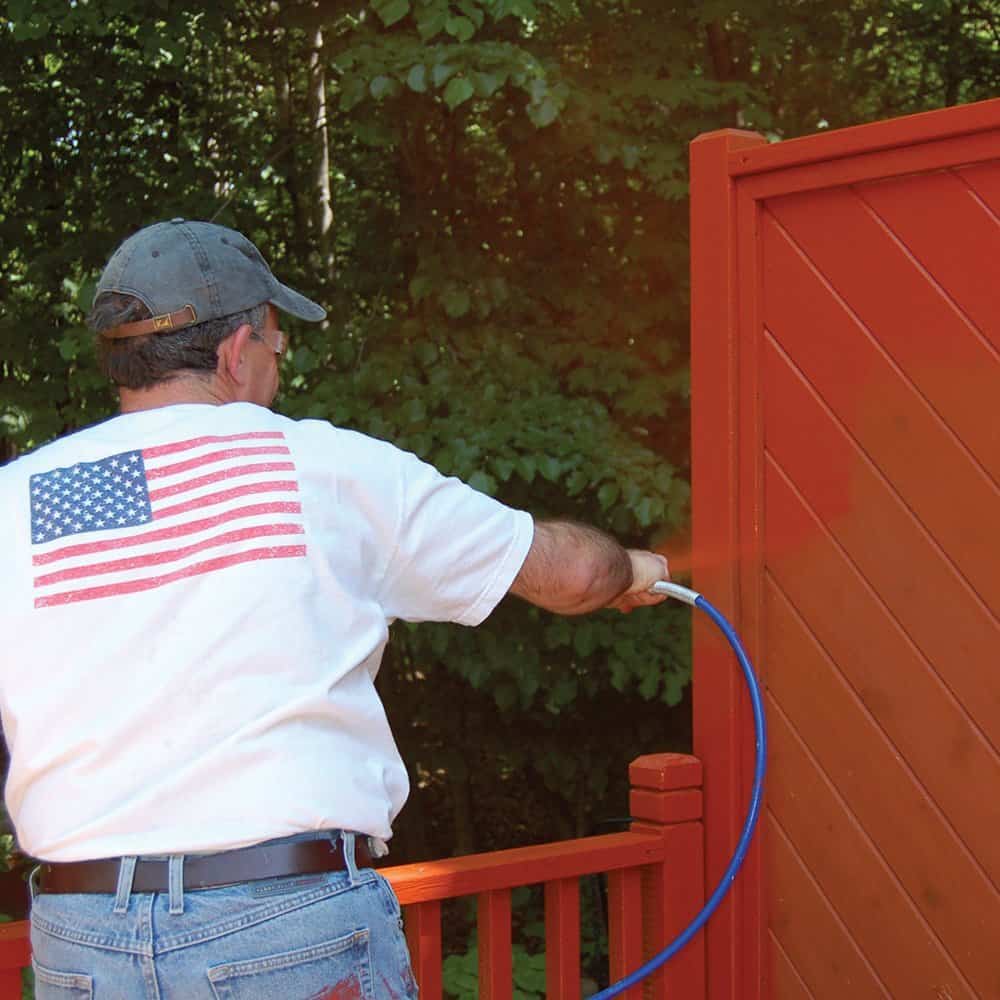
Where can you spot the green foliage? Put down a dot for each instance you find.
(8, 850)
(460, 974)
(505, 275)
(460, 970)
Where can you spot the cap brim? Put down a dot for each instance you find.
(290, 301)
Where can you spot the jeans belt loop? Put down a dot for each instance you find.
(126, 873)
(33, 882)
(175, 883)
(347, 841)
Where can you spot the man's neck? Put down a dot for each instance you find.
(183, 389)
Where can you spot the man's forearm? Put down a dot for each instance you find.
(573, 568)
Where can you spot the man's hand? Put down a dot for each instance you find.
(647, 568)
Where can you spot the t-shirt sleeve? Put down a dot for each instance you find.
(456, 551)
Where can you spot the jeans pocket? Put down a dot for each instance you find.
(53, 985)
(333, 970)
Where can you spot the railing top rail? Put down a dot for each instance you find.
(474, 873)
(17, 930)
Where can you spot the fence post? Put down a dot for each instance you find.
(724, 543)
(666, 799)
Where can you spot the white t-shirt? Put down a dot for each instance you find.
(194, 602)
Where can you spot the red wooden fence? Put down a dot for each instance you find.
(846, 370)
(655, 887)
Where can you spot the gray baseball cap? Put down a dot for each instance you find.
(187, 272)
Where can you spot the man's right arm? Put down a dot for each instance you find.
(572, 569)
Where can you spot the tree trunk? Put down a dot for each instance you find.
(952, 68)
(461, 810)
(287, 143)
(322, 203)
(723, 65)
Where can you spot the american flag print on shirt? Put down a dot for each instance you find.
(142, 519)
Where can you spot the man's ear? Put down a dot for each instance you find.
(231, 364)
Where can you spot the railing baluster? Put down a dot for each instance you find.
(495, 964)
(10, 984)
(15, 954)
(625, 925)
(423, 937)
(562, 939)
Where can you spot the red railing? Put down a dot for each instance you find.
(655, 878)
(15, 954)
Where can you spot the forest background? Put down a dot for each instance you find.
(490, 198)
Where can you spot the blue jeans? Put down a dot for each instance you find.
(331, 936)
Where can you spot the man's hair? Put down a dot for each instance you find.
(144, 361)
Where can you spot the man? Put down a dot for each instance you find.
(196, 595)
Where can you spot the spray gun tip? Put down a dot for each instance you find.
(676, 591)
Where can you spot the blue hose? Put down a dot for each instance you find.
(696, 600)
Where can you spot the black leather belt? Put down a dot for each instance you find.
(246, 864)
